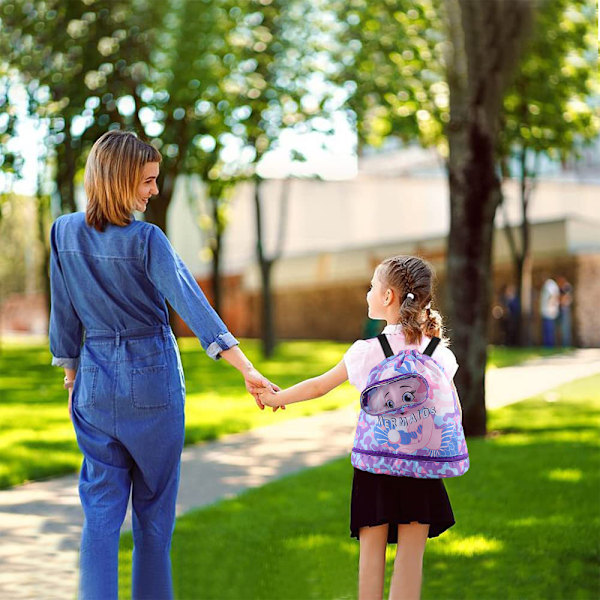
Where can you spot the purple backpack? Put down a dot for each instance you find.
(410, 422)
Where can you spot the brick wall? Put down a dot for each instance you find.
(339, 311)
(587, 300)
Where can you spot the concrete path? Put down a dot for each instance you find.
(40, 523)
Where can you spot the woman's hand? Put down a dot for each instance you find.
(68, 382)
(70, 402)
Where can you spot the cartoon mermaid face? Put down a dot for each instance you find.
(398, 396)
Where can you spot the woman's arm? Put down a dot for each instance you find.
(65, 328)
(308, 389)
(171, 277)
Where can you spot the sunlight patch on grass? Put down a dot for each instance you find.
(469, 546)
(317, 541)
(556, 521)
(565, 475)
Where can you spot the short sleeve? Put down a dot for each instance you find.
(172, 278)
(448, 361)
(355, 360)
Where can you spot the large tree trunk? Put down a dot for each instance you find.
(485, 37)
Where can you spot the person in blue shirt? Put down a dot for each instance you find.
(110, 277)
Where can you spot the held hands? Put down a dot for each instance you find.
(257, 385)
(269, 397)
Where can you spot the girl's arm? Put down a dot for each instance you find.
(308, 389)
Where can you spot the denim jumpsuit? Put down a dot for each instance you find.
(109, 320)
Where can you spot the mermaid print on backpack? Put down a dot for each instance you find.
(410, 422)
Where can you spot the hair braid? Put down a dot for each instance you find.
(412, 279)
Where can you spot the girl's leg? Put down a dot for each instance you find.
(371, 568)
(408, 565)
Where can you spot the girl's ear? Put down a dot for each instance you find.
(388, 297)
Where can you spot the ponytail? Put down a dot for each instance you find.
(432, 326)
(410, 319)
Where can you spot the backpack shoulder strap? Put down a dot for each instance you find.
(431, 346)
(385, 345)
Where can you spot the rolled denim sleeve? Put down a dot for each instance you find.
(65, 330)
(172, 278)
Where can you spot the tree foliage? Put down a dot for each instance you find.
(551, 111)
(392, 64)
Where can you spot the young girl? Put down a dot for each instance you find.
(388, 509)
(110, 276)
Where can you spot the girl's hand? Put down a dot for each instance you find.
(271, 398)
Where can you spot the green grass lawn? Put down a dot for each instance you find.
(505, 356)
(36, 436)
(527, 516)
(37, 439)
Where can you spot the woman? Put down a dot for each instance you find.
(110, 276)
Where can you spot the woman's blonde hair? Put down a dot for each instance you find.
(112, 174)
(412, 279)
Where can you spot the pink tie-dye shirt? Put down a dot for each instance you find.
(363, 355)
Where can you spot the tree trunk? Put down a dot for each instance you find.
(268, 308)
(156, 213)
(525, 263)
(474, 193)
(157, 209)
(216, 255)
(485, 41)
(65, 173)
(43, 217)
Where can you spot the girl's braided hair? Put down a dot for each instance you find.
(412, 279)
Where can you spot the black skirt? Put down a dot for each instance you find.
(379, 499)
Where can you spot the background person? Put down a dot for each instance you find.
(549, 309)
(565, 302)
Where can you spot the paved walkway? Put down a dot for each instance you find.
(40, 523)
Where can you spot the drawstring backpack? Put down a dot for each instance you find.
(410, 422)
